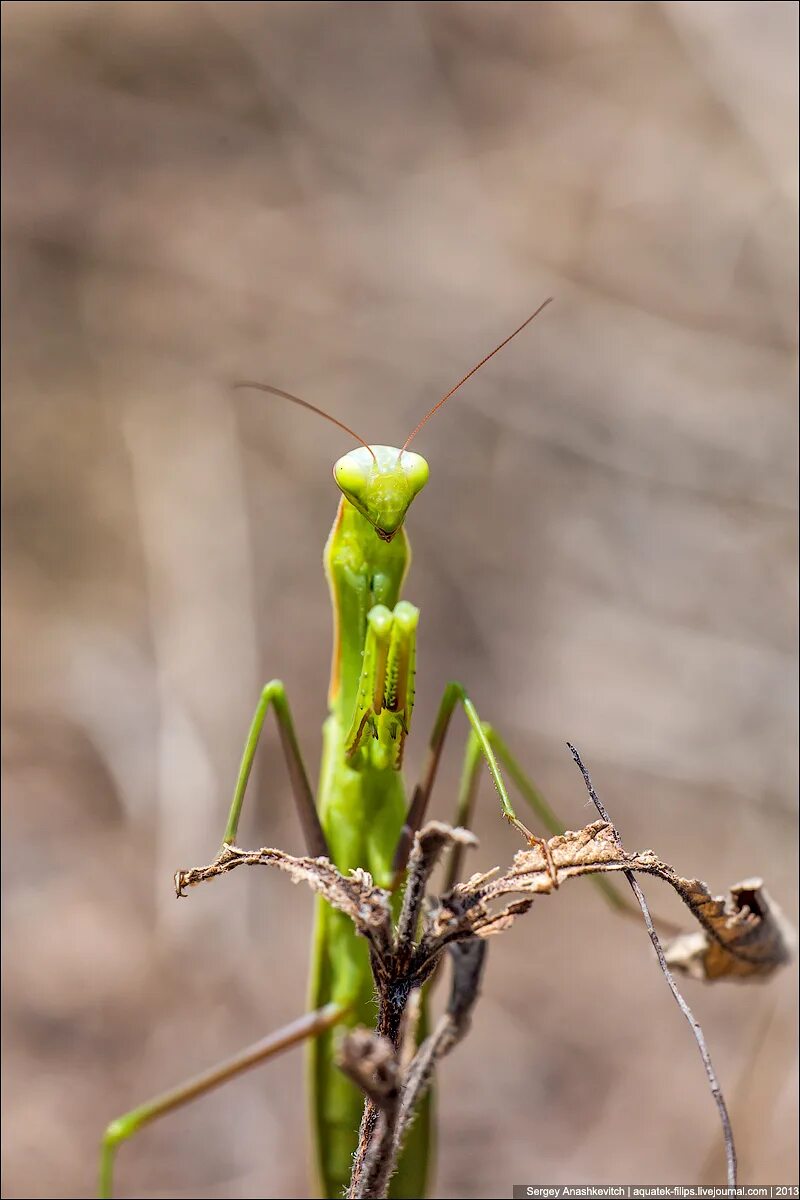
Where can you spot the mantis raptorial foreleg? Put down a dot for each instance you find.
(385, 697)
(308, 1026)
(274, 694)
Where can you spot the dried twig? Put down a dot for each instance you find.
(428, 847)
(396, 1091)
(716, 1090)
(744, 938)
(397, 974)
(368, 907)
(371, 1062)
(468, 959)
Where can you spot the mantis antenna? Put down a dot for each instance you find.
(273, 391)
(469, 374)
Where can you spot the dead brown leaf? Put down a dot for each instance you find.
(367, 906)
(744, 937)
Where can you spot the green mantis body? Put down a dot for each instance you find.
(361, 799)
(361, 817)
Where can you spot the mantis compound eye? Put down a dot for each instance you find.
(416, 469)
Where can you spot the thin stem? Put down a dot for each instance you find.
(716, 1090)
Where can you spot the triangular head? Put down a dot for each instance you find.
(380, 482)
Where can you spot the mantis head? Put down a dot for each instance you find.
(381, 482)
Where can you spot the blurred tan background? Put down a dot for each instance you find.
(355, 202)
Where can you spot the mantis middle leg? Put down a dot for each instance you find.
(274, 694)
(455, 694)
(484, 745)
(467, 795)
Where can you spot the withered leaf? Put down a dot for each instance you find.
(742, 938)
(580, 852)
(745, 937)
(468, 908)
(355, 894)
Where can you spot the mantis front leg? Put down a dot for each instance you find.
(385, 698)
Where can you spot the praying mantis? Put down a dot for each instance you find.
(361, 817)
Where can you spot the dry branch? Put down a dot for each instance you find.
(744, 938)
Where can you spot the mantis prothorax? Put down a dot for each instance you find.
(361, 817)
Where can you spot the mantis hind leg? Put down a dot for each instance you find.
(311, 1025)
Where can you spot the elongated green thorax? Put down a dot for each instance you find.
(363, 571)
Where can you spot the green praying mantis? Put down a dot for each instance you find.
(361, 817)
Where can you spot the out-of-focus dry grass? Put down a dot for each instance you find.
(355, 201)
